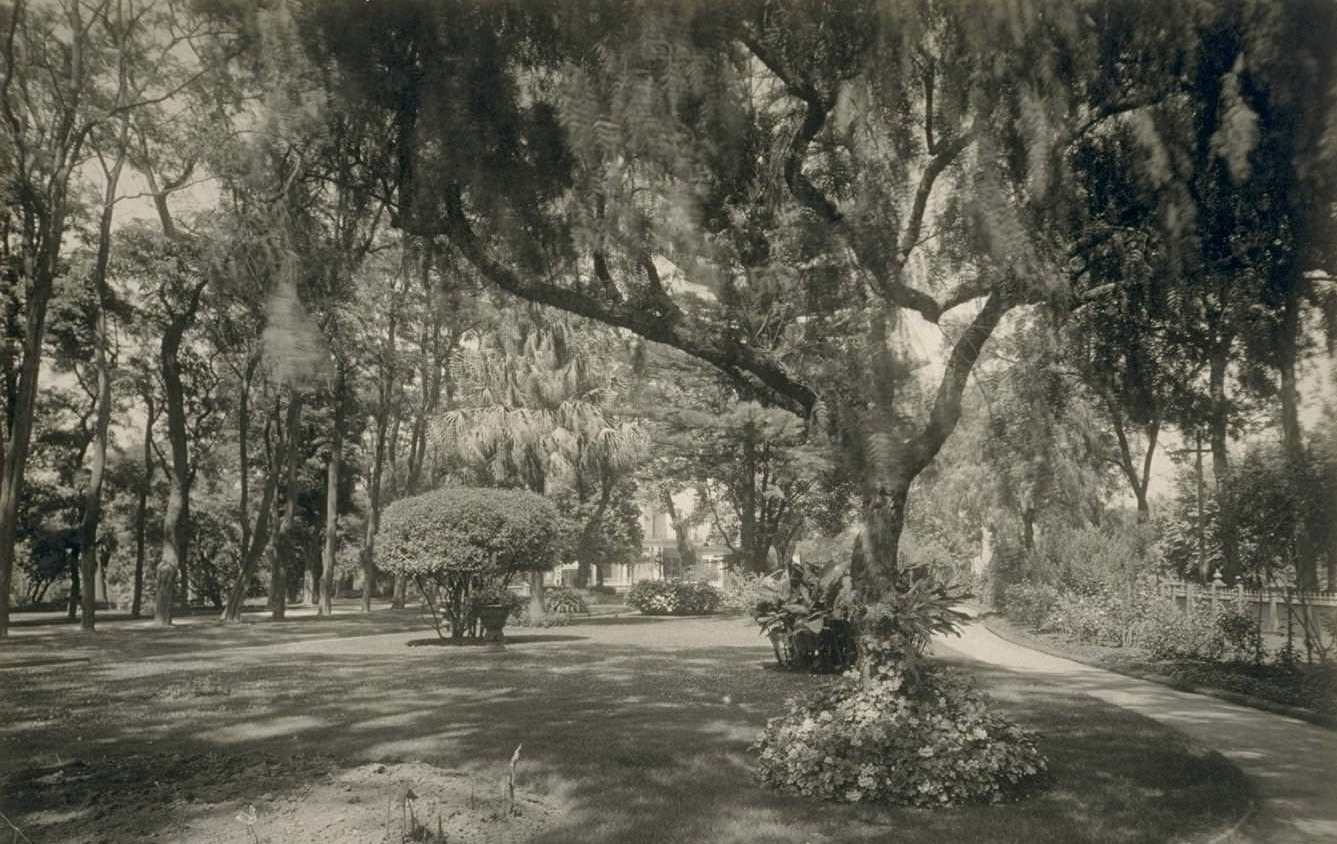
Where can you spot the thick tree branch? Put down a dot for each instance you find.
(1113, 109)
(817, 107)
(946, 412)
(946, 153)
(656, 322)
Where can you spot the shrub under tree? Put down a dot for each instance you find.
(900, 729)
(457, 542)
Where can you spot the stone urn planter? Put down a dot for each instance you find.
(492, 618)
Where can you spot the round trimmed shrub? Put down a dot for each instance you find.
(674, 597)
(456, 541)
(926, 742)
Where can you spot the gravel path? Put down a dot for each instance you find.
(1292, 763)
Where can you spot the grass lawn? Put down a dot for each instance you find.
(633, 730)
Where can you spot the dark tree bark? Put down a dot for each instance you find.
(88, 528)
(332, 469)
(1218, 441)
(1138, 478)
(142, 501)
(176, 520)
(681, 533)
(1292, 440)
(367, 554)
(286, 544)
(255, 542)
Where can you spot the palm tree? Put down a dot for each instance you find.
(541, 417)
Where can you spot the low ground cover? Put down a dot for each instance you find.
(633, 729)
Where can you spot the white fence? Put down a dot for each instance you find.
(1272, 607)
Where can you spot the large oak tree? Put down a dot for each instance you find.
(780, 189)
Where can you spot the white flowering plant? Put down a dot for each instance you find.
(673, 597)
(930, 741)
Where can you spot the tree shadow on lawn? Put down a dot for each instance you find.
(514, 641)
(636, 745)
(141, 638)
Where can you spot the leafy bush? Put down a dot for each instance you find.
(674, 597)
(1310, 686)
(1241, 635)
(1170, 633)
(1030, 604)
(1110, 615)
(456, 541)
(1225, 633)
(926, 742)
(743, 590)
(493, 594)
(808, 613)
(895, 631)
(1091, 619)
(564, 603)
(469, 529)
(1087, 559)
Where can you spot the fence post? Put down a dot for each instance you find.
(1188, 598)
(1272, 609)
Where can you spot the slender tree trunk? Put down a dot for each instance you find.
(278, 582)
(104, 560)
(367, 556)
(20, 437)
(1218, 441)
(1028, 528)
(394, 483)
(332, 470)
(254, 551)
(386, 389)
(88, 528)
(246, 374)
(584, 549)
(681, 538)
(1292, 440)
(48, 232)
(75, 596)
(259, 538)
(747, 507)
(142, 504)
(1138, 481)
(176, 520)
(176, 527)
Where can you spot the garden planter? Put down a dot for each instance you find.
(830, 651)
(492, 617)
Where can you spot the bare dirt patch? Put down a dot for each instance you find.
(217, 799)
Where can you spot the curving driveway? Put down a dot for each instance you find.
(1292, 763)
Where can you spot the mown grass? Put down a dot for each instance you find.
(639, 729)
